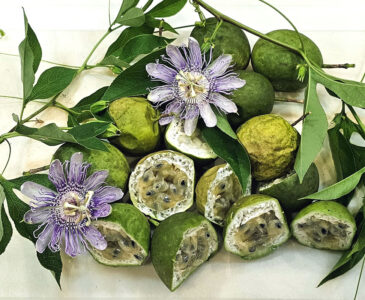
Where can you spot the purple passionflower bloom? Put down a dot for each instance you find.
(66, 215)
(192, 85)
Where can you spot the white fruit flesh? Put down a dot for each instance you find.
(196, 247)
(255, 229)
(163, 184)
(193, 145)
(121, 250)
(323, 232)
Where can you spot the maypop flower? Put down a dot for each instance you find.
(66, 215)
(192, 85)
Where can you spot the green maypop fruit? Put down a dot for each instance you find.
(127, 233)
(216, 191)
(137, 121)
(114, 161)
(255, 98)
(229, 39)
(162, 184)
(255, 226)
(180, 244)
(288, 189)
(279, 65)
(271, 143)
(324, 225)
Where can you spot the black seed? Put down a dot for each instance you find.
(324, 230)
(182, 182)
(157, 186)
(133, 244)
(126, 243)
(222, 186)
(262, 225)
(150, 193)
(166, 199)
(252, 249)
(242, 226)
(278, 225)
(185, 258)
(116, 252)
(300, 225)
(207, 234)
(145, 179)
(159, 166)
(342, 226)
(137, 256)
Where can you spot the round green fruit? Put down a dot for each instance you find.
(255, 98)
(137, 121)
(162, 184)
(216, 191)
(193, 146)
(114, 161)
(271, 143)
(180, 244)
(230, 39)
(288, 189)
(324, 225)
(127, 233)
(255, 227)
(279, 64)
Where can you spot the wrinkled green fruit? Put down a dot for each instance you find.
(255, 98)
(279, 65)
(324, 225)
(255, 227)
(271, 143)
(288, 189)
(127, 233)
(114, 161)
(216, 191)
(230, 39)
(180, 244)
(137, 121)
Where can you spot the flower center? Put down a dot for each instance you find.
(192, 85)
(77, 206)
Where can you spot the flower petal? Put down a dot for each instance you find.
(160, 94)
(107, 194)
(223, 103)
(226, 84)
(195, 54)
(177, 58)
(95, 180)
(44, 238)
(207, 114)
(219, 66)
(37, 192)
(71, 243)
(77, 170)
(54, 244)
(190, 126)
(36, 216)
(161, 72)
(165, 120)
(94, 237)
(56, 174)
(102, 211)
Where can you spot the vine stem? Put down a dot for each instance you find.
(358, 282)
(7, 162)
(357, 118)
(338, 66)
(11, 97)
(282, 99)
(300, 119)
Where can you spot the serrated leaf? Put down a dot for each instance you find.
(51, 82)
(314, 130)
(133, 81)
(231, 151)
(133, 17)
(167, 8)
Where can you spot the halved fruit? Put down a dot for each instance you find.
(162, 184)
(216, 191)
(255, 226)
(180, 244)
(127, 232)
(193, 146)
(324, 225)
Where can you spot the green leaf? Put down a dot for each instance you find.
(133, 81)
(112, 60)
(351, 92)
(338, 189)
(51, 82)
(142, 44)
(7, 231)
(126, 5)
(314, 130)
(128, 33)
(223, 124)
(231, 151)
(2, 199)
(167, 8)
(30, 57)
(91, 129)
(85, 103)
(50, 134)
(2, 33)
(93, 143)
(156, 23)
(17, 209)
(133, 17)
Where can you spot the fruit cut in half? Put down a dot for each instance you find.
(193, 146)
(127, 233)
(180, 244)
(162, 184)
(216, 191)
(255, 226)
(324, 225)
(288, 189)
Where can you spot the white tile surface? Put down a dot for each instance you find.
(67, 30)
